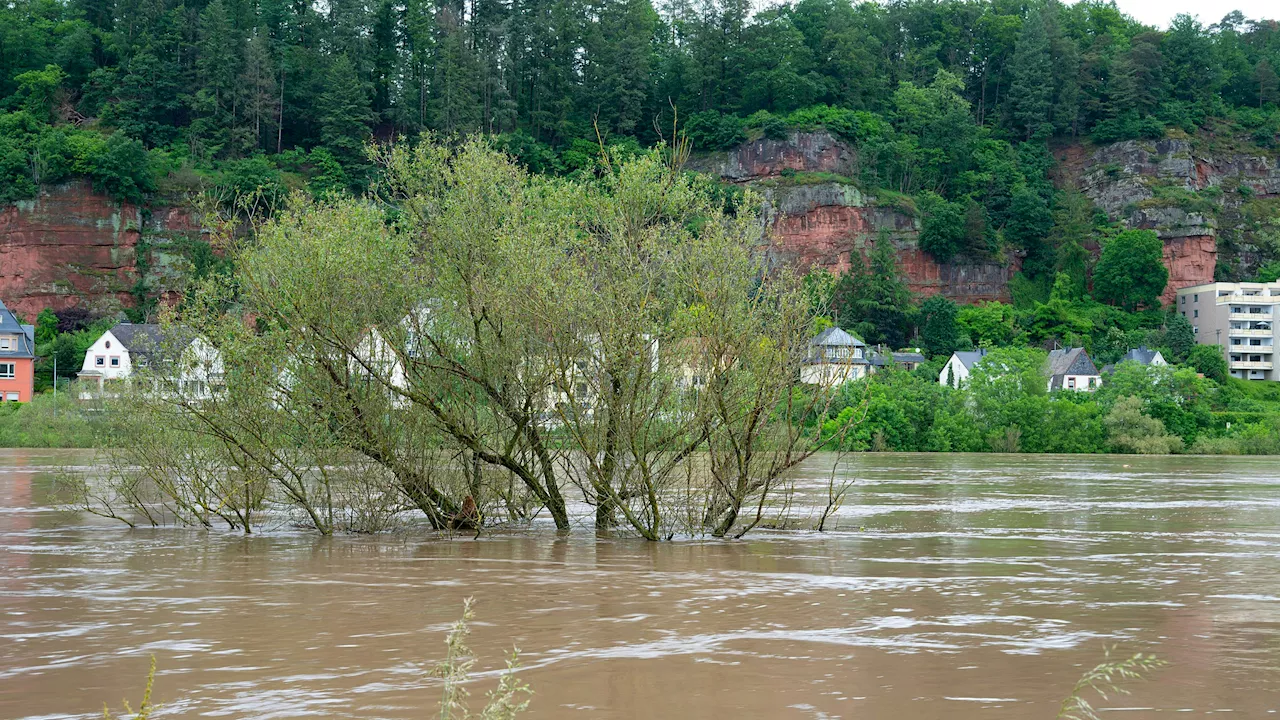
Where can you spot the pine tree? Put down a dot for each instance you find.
(258, 82)
(344, 114)
(455, 97)
(1031, 90)
(1072, 229)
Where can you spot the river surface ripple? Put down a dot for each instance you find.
(956, 586)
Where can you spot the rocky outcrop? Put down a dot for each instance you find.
(766, 157)
(819, 222)
(824, 225)
(1203, 201)
(72, 247)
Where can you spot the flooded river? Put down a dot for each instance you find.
(956, 586)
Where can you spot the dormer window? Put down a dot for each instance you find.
(5, 343)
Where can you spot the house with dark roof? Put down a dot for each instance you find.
(17, 358)
(1143, 356)
(959, 365)
(906, 359)
(1140, 355)
(191, 364)
(1072, 369)
(835, 357)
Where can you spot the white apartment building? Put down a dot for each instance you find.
(1241, 318)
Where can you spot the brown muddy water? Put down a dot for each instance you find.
(957, 586)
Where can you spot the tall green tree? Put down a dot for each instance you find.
(939, 332)
(344, 113)
(1131, 271)
(1031, 88)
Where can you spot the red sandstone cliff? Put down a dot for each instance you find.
(823, 223)
(73, 247)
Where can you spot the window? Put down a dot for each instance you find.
(115, 361)
(5, 343)
(1093, 383)
(99, 360)
(12, 397)
(1184, 299)
(8, 371)
(1195, 329)
(108, 344)
(1195, 298)
(1071, 383)
(1197, 313)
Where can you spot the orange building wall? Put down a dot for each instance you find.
(23, 383)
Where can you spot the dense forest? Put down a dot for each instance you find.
(945, 94)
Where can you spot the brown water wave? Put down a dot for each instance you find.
(954, 587)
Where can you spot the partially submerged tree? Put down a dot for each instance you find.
(476, 338)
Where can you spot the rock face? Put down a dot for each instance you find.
(765, 158)
(819, 222)
(71, 247)
(1214, 209)
(1204, 203)
(1201, 204)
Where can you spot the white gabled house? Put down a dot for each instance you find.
(128, 349)
(1073, 369)
(961, 363)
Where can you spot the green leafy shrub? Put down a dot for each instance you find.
(1130, 430)
(714, 130)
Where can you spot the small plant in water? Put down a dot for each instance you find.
(1106, 677)
(145, 708)
(504, 702)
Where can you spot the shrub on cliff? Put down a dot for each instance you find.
(714, 130)
(1131, 271)
(942, 233)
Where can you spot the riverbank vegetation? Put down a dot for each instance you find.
(1006, 407)
(49, 422)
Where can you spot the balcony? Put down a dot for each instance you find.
(1238, 332)
(1247, 300)
(1250, 365)
(1247, 316)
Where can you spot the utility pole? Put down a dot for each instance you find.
(55, 383)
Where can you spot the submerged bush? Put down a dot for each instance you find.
(1129, 430)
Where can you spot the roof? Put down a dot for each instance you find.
(26, 335)
(1072, 361)
(969, 358)
(146, 339)
(1140, 355)
(879, 359)
(835, 337)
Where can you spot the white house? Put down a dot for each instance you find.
(128, 349)
(1072, 369)
(835, 358)
(959, 366)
